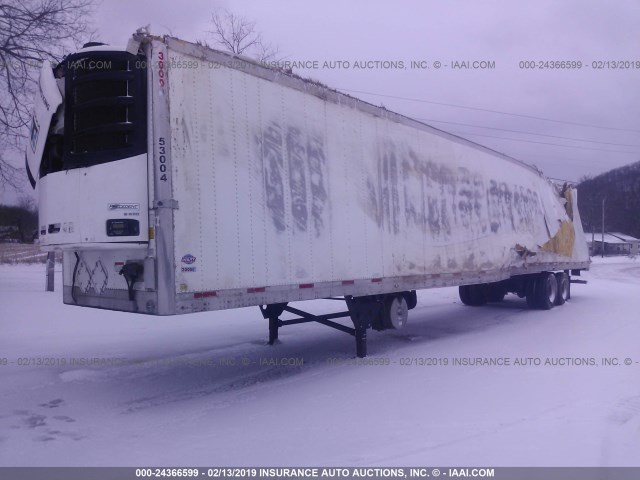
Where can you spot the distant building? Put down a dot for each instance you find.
(633, 242)
(615, 243)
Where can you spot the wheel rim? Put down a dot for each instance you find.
(398, 312)
(552, 290)
(564, 288)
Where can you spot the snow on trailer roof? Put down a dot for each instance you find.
(288, 78)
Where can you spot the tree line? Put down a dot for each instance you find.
(18, 223)
(620, 190)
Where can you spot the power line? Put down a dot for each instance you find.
(554, 159)
(529, 133)
(421, 100)
(545, 143)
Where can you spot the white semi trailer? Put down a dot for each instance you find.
(177, 179)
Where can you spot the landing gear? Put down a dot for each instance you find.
(381, 312)
(272, 313)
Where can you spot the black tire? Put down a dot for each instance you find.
(564, 288)
(495, 293)
(411, 298)
(531, 293)
(465, 294)
(473, 295)
(546, 291)
(479, 295)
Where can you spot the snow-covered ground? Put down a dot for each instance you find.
(166, 391)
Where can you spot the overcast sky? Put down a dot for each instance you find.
(505, 32)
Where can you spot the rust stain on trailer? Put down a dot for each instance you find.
(294, 162)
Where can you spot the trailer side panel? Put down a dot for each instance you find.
(280, 190)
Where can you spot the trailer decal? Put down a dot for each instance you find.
(161, 81)
(271, 149)
(317, 166)
(302, 174)
(445, 201)
(188, 259)
(162, 159)
(91, 279)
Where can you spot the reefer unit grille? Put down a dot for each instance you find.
(105, 117)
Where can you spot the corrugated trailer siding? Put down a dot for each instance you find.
(279, 187)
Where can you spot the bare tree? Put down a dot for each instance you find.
(28, 203)
(31, 31)
(237, 34)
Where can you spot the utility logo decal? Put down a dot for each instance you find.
(188, 259)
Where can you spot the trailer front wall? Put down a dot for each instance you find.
(278, 187)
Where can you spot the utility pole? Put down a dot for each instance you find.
(603, 200)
